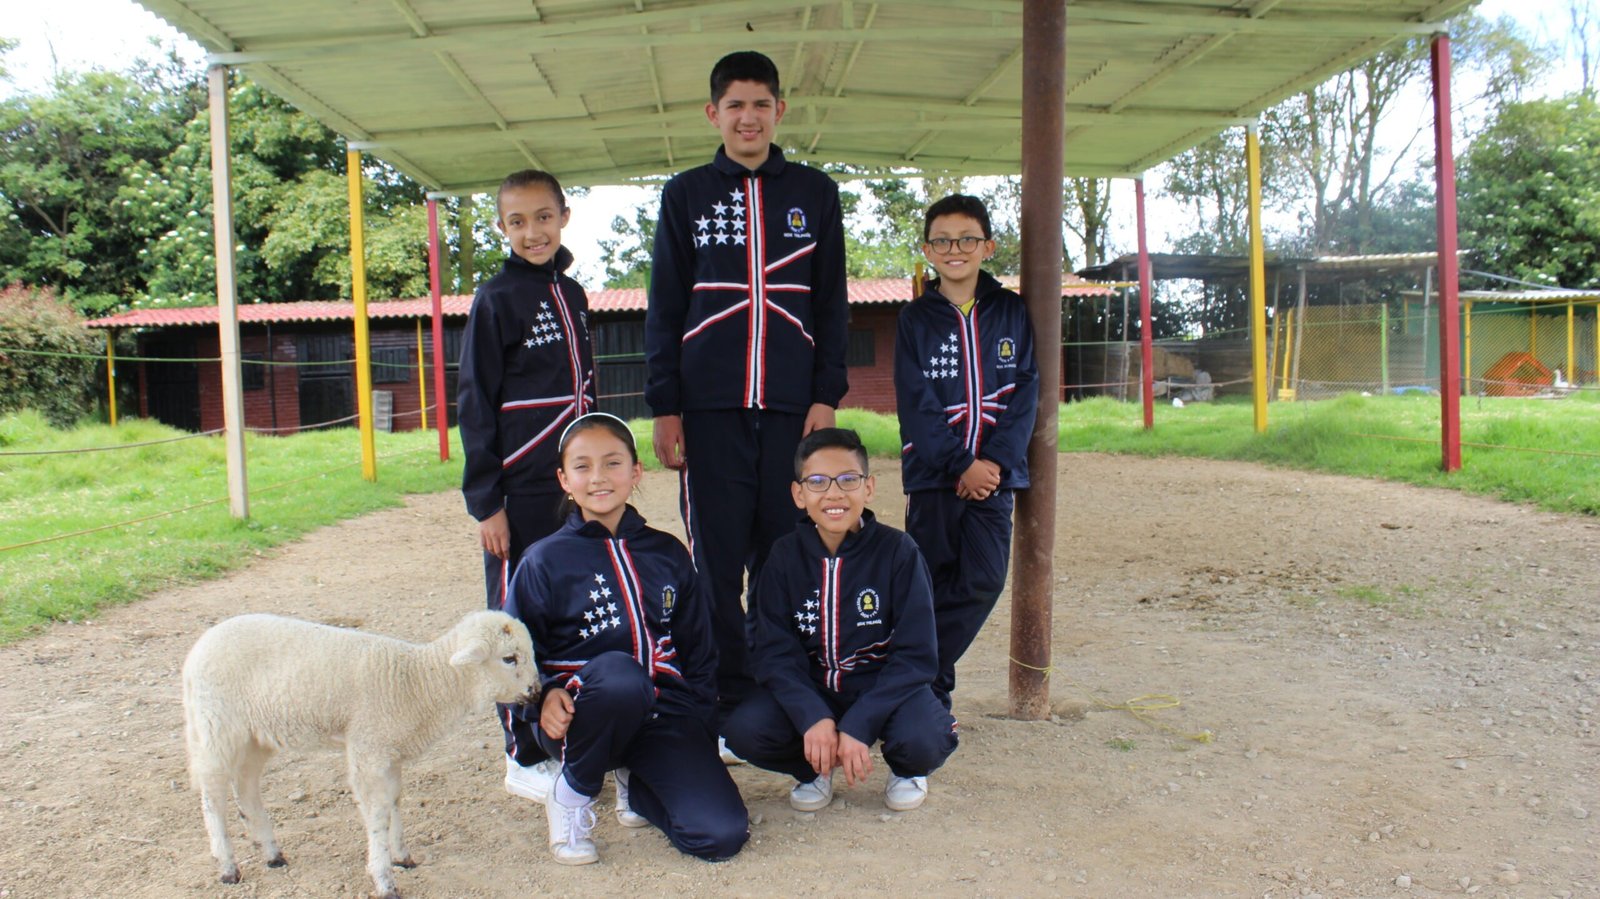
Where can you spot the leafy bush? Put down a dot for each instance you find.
(46, 356)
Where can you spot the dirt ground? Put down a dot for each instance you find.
(1399, 687)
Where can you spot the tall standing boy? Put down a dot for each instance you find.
(966, 390)
(744, 339)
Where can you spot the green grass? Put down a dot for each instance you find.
(1395, 438)
(296, 484)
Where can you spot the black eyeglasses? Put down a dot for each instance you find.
(849, 482)
(943, 245)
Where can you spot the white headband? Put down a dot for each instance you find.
(561, 445)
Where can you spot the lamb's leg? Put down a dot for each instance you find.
(213, 798)
(397, 843)
(248, 783)
(376, 784)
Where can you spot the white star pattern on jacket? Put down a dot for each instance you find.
(945, 362)
(603, 614)
(806, 621)
(545, 329)
(726, 223)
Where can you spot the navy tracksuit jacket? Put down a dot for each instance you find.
(847, 636)
(527, 369)
(619, 620)
(745, 331)
(966, 387)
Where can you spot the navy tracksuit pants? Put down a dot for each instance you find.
(678, 782)
(967, 546)
(917, 737)
(532, 518)
(736, 504)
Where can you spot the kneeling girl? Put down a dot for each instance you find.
(622, 633)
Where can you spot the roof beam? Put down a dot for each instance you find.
(192, 23)
(847, 13)
(972, 97)
(1175, 19)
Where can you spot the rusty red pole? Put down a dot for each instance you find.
(1147, 381)
(1044, 58)
(1449, 275)
(441, 402)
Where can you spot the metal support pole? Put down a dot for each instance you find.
(1383, 347)
(1259, 375)
(1449, 274)
(442, 410)
(1044, 58)
(227, 298)
(1466, 343)
(1572, 346)
(1147, 385)
(358, 291)
(1297, 324)
(111, 375)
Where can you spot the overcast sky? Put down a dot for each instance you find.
(71, 35)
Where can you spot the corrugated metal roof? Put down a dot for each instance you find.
(874, 291)
(1531, 296)
(455, 93)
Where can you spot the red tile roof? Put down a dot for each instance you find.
(632, 299)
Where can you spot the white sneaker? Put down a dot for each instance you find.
(728, 758)
(626, 816)
(571, 833)
(905, 793)
(533, 782)
(809, 797)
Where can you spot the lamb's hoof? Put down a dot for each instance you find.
(277, 861)
(231, 875)
(407, 862)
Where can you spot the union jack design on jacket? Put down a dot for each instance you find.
(583, 591)
(965, 386)
(527, 369)
(857, 623)
(747, 290)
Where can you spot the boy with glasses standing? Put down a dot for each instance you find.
(966, 389)
(843, 643)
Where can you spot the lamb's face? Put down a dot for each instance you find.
(514, 672)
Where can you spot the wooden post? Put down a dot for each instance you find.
(227, 297)
(1044, 58)
(111, 375)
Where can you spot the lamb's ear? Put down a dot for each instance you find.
(472, 654)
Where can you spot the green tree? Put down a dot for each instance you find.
(46, 361)
(64, 158)
(628, 253)
(1530, 192)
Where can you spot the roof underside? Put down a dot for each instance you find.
(455, 93)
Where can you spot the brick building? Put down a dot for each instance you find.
(299, 371)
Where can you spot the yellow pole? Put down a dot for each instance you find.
(1533, 329)
(422, 379)
(358, 290)
(1572, 346)
(1258, 283)
(1466, 342)
(111, 376)
(1597, 343)
(1277, 344)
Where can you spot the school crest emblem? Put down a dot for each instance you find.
(868, 604)
(669, 601)
(1008, 350)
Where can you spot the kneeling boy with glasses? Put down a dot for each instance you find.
(842, 642)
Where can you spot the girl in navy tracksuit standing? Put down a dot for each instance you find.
(527, 370)
(966, 389)
(621, 629)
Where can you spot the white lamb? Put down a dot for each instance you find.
(257, 683)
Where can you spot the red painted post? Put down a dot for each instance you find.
(1449, 301)
(1147, 381)
(441, 403)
